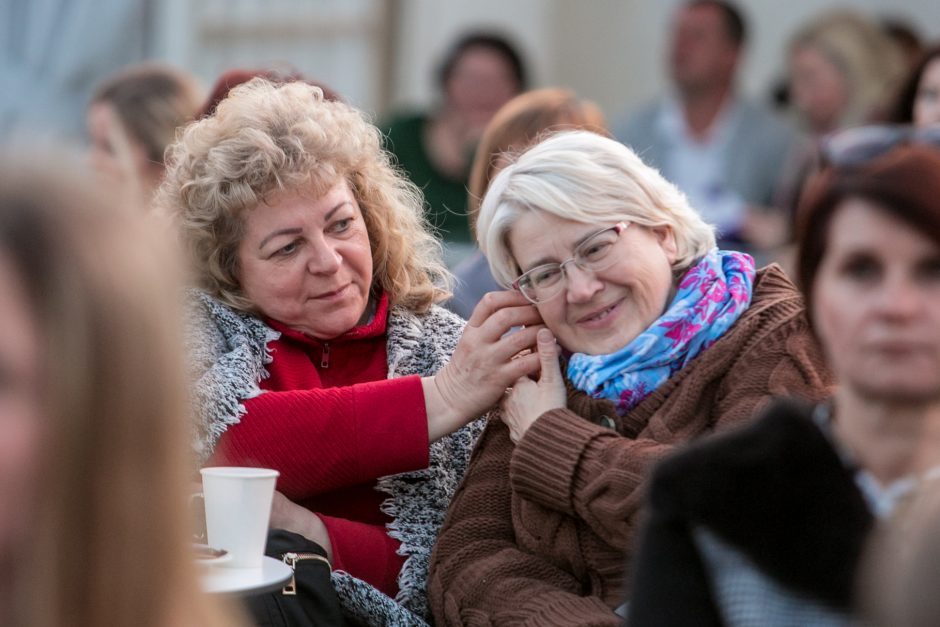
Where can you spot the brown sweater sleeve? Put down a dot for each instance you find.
(598, 476)
(479, 575)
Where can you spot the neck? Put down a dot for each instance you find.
(889, 439)
(701, 107)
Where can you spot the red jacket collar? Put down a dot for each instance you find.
(373, 328)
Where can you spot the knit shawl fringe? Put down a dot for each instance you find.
(228, 352)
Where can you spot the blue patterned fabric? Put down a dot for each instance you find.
(711, 296)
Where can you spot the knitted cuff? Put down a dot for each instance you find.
(545, 461)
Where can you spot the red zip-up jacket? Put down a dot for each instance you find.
(332, 423)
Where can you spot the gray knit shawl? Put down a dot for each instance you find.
(228, 352)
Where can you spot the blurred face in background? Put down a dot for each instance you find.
(927, 101)
(876, 305)
(818, 89)
(115, 155)
(20, 406)
(480, 83)
(701, 52)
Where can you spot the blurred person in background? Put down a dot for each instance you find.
(665, 338)
(844, 72)
(234, 77)
(768, 525)
(918, 99)
(722, 150)
(132, 118)
(317, 344)
(94, 529)
(478, 75)
(521, 122)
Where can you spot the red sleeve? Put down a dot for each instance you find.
(365, 551)
(330, 438)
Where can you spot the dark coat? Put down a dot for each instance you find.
(775, 495)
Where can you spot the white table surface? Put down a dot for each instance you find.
(273, 574)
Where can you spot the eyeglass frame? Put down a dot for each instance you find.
(619, 228)
(845, 149)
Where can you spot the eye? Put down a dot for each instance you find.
(595, 250)
(341, 226)
(545, 275)
(288, 250)
(928, 94)
(862, 268)
(929, 270)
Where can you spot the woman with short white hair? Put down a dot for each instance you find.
(664, 338)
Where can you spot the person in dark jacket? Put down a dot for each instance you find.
(767, 525)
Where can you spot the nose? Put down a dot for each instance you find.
(324, 258)
(582, 284)
(900, 298)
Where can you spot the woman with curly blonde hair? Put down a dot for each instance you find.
(318, 346)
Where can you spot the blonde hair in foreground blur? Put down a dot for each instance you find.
(108, 537)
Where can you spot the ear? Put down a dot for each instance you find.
(666, 237)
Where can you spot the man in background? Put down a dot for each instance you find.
(722, 150)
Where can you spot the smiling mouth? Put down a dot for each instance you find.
(329, 295)
(598, 316)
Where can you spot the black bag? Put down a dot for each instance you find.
(307, 600)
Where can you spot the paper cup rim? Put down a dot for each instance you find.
(239, 472)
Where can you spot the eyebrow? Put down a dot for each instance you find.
(298, 230)
(546, 260)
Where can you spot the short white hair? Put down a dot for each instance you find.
(585, 177)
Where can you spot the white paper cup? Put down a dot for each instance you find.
(238, 509)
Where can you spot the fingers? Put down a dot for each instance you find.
(510, 346)
(496, 301)
(522, 367)
(548, 356)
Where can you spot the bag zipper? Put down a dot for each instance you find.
(291, 558)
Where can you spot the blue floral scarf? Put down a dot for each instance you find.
(711, 296)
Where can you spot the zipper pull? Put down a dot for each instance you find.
(290, 588)
(291, 558)
(325, 356)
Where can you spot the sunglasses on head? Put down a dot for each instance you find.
(857, 146)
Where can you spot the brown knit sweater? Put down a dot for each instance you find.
(546, 543)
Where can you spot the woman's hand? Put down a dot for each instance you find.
(285, 514)
(485, 362)
(528, 399)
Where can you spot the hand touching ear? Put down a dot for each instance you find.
(527, 399)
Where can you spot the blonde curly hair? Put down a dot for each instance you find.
(266, 139)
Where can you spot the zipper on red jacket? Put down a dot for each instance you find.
(325, 356)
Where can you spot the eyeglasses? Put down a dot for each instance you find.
(857, 146)
(544, 282)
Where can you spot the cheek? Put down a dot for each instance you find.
(553, 315)
(834, 324)
(361, 259)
